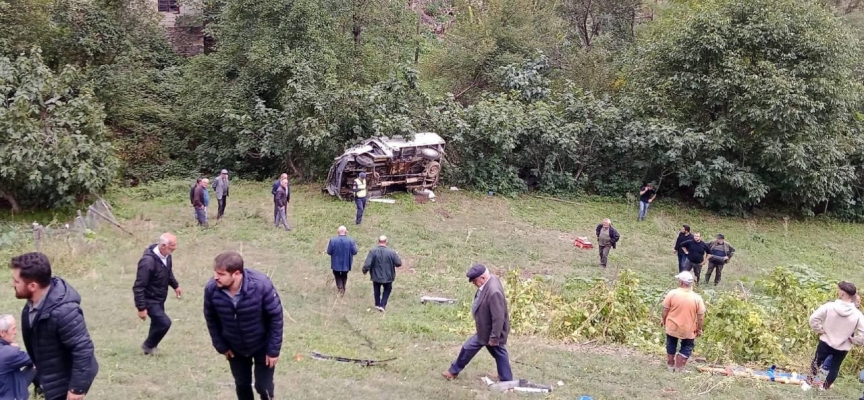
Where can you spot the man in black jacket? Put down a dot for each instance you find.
(155, 274)
(55, 334)
(683, 236)
(281, 200)
(244, 316)
(607, 239)
(695, 249)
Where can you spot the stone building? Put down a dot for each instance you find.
(183, 25)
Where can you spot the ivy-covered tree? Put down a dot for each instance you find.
(767, 89)
(54, 147)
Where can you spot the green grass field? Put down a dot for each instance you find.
(437, 242)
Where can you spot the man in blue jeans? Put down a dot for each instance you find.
(360, 196)
(683, 236)
(646, 195)
(683, 317)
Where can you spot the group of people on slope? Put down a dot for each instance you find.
(199, 196)
(381, 264)
(693, 253)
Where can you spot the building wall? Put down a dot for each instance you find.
(187, 40)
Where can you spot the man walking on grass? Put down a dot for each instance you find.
(16, 368)
(607, 238)
(647, 193)
(220, 186)
(281, 200)
(695, 250)
(200, 200)
(719, 253)
(55, 334)
(492, 323)
(683, 317)
(244, 317)
(341, 250)
(381, 263)
(839, 325)
(155, 275)
(276, 186)
(683, 236)
(360, 193)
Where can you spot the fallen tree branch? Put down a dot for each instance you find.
(366, 363)
(109, 220)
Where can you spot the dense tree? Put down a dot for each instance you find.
(54, 146)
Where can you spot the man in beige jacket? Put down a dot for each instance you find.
(836, 322)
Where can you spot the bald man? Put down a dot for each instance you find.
(155, 275)
(341, 250)
(382, 262)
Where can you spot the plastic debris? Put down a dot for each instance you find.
(388, 201)
(439, 300)
(560, 383)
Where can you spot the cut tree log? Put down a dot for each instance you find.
(366, 363)
(439, 300)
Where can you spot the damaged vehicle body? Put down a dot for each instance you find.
(390, 164)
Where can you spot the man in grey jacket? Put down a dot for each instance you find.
(381, 263)
(220, 186)
(492, 322)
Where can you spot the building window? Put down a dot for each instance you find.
(168, 6)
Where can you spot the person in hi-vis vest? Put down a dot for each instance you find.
(360, 196)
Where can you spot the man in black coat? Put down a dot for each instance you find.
(492, 323)
(55, 334)
(696, 251)
(244, 317)
(607, 239)
(155, 275)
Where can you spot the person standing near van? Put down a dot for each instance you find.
(220, 186)
(360, 196)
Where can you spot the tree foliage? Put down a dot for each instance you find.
(54, 147)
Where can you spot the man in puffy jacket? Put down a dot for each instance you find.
(155, 275)
(341, 250)
(836, 322)
(244, 317)
(55, 334)
(16, 369)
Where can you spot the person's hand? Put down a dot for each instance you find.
(73, 396)
(179, 292)
(726, 258)
(271, 361)
(14, 344)
(662, 322)
(493, 342)
(142, 314)
(229, 355)
(698, 332)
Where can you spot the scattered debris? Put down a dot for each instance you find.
(426, 192)
(365, 363)
(439, 300)
(521, 385)
(388, 201)
(560, 383)
(772, 374)
(453, 188)
(583, 243)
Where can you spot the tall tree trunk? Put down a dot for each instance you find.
(11, 200)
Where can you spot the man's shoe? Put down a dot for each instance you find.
(449, 376)
(148, 351)
(379, 308)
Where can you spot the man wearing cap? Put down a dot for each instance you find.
(341, 250)
(360, 196)
(492, 322)
(220, 186)
(839, 325)
(719, 253)
(683, 317)
(381, 263)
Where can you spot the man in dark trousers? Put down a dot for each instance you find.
(381, 263)
(683, 236)
(719, 253)
(192, 196)
(360, 195)
(244, 316)
(695, 250)
(341, 250)
(281, 200)
(607, 238)
(220, 186)
(276, 186)
(155, 275)
(492, 322)
(200, 200)
(55, 334)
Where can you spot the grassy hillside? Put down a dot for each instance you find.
(437, 242)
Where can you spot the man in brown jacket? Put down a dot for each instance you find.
(492, 322)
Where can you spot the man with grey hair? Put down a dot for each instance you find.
(341, 250)
(220, 187)
(281, 201)
(683, 317)
(16, 369)
(382, 262)
(276, 186)
(607, 238)
(492, 323)
(155, 275)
